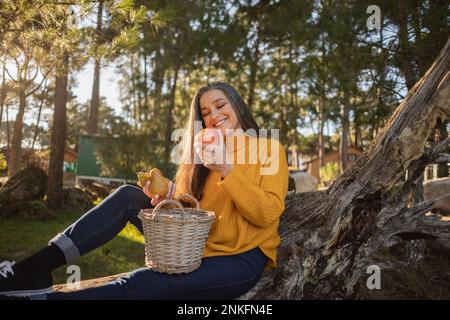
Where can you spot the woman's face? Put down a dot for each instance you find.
(217, 111)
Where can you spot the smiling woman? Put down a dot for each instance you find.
(217, 111)
(217, 105)
(241, 245)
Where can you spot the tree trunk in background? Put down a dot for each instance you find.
(55, 195)
(3, 94)
(330, 238)
(357, 124)
(438, 34)
(133, 90)
(23, 82)
(343, 144)
(320, 139)
(347, 80)
(139, 91)
(8, 135)
(95, 100)
(253, 71)
(283, 125)
(15, 159)
(158, 78)
(169, 119)
(36, 132)
(146, 88)
(404, 55)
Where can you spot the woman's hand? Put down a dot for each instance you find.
(208, 157)
(156, 198)
(223, 169)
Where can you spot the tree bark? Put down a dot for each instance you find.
(55, 195)
(328, 238)
(95, 100)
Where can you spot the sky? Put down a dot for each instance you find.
(109, 88)
(108, 85)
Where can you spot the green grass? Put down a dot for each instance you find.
(21, 237)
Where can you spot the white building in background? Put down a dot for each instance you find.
(430, 172)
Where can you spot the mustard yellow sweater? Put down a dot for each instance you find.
(247, 203)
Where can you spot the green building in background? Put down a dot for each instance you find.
(87, 167)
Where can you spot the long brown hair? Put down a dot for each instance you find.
(191, 177)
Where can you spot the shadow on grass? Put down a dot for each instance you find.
(429, 281)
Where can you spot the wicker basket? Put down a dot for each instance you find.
(175, 237)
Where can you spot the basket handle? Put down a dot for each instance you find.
(178, 203)
(167, 201)
(197, 204)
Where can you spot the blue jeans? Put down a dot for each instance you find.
(221, 277)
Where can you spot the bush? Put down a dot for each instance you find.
(126, 155)
(37, 210)
(3, 163)
(330, 172)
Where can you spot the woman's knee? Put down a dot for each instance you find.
(129, 191)
(135, 199)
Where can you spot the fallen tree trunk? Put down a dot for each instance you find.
(330, 237)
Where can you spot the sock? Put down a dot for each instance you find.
(44, 261)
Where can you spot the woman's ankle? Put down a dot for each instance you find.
(42, 262)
